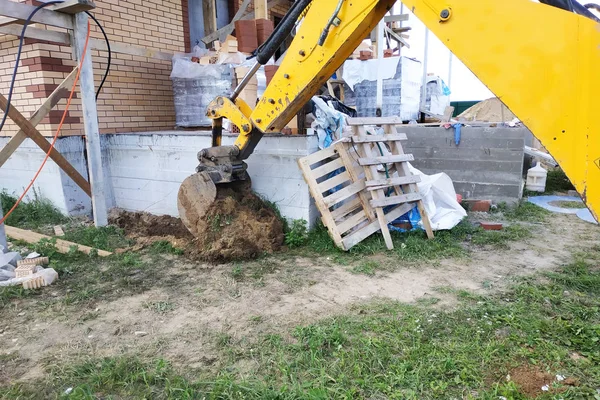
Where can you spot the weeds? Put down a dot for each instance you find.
(165, 247)
(526, 212)
(366, 268)
(31, 214)
(106, 238)
(557, 181)
(297, 234)
(159, 307)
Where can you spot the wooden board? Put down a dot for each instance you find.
(63, 246)
(385, 159)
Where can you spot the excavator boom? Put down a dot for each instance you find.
(543, 62)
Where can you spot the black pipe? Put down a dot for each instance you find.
(281, 32)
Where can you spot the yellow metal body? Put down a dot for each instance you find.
(238, 113)
(543, 63)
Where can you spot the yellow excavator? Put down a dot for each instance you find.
(541, 59)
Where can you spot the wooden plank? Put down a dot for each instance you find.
(403, 169)
(37, 137)
(397, 37)
(209, 13)
(7, 21)
(73, 6)
(63, 246)
(370, 174)
(229, 28)
(374, 121)
(333, 182)
(355, 176)
(390, 201)
(61, 91)
(327, 168)
(352, 221)
(392, 137)
(326, 216)
(395, 18)
(346, 208)
(90, 122)
(37, 33)
(356, 237)
(448, 112)
(343, 194)
(122, 48)
(400, 180)
(395, 158)
(21, 11)
(260, 9)
(2, 232)
(320, 155)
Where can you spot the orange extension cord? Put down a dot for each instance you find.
(57, 130)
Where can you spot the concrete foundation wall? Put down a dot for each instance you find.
(487, 164)
(143, 171)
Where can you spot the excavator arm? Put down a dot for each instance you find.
(543, 62)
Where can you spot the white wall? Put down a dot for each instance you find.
(143, 171)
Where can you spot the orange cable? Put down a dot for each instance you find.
(57, 130)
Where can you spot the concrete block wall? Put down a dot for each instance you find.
(52, 183)
(143, 172)
(487, 164)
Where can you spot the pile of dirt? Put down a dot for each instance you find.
(238, 225)
(490, 110)
(140, 224)
(531, 380)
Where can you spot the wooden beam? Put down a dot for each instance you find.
(61, 91)
(41, 141)
(260, 9)
(395, 18)
(73, 6)
(2, 231)
(123, 48)
(7, 21)
(397, 37)
(90, 121)
(209, 12)
(22, 11)
(228, 29)
(37, 33)
(63, 246)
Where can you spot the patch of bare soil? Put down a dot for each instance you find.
(182, 321)
(238, 225)
(531, 380)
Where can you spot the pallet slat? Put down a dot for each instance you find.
(351, 222)
(343, 194)
(327, 168)
(346, 208)
(375, 121)
(385, 159)
(390, 201)
(390, 137)
(319, 155)
(401, 180)
(333, 182)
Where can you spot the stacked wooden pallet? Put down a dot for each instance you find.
(353, 201)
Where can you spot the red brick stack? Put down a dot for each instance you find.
(387, 53)
(270, 72)
(366, 55)
(264, 28)
(245, 32)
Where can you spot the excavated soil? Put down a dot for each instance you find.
(490, 110)
(239, 225)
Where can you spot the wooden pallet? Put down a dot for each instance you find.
(351, 199)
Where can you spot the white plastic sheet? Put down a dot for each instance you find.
(439, 199)
(356, 71)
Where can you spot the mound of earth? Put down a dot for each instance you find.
(238, 225)
(490, 110)
(139, 224)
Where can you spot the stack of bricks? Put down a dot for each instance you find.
(365, 55)
(264, 28)
(245, 32)
(250, 92)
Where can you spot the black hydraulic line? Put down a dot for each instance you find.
(281, 32)
(109, 58)
(325, 32)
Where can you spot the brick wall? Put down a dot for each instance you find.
(137, 96)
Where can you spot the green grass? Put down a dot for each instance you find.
(568, 204)
(557, 181)
(165, 247)
(525, 212)
(380, 350)
(32, 213)
(106, 238)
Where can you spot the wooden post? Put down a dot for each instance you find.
(2, 232)
(90, 122)
(260, 9)
(210, 16)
